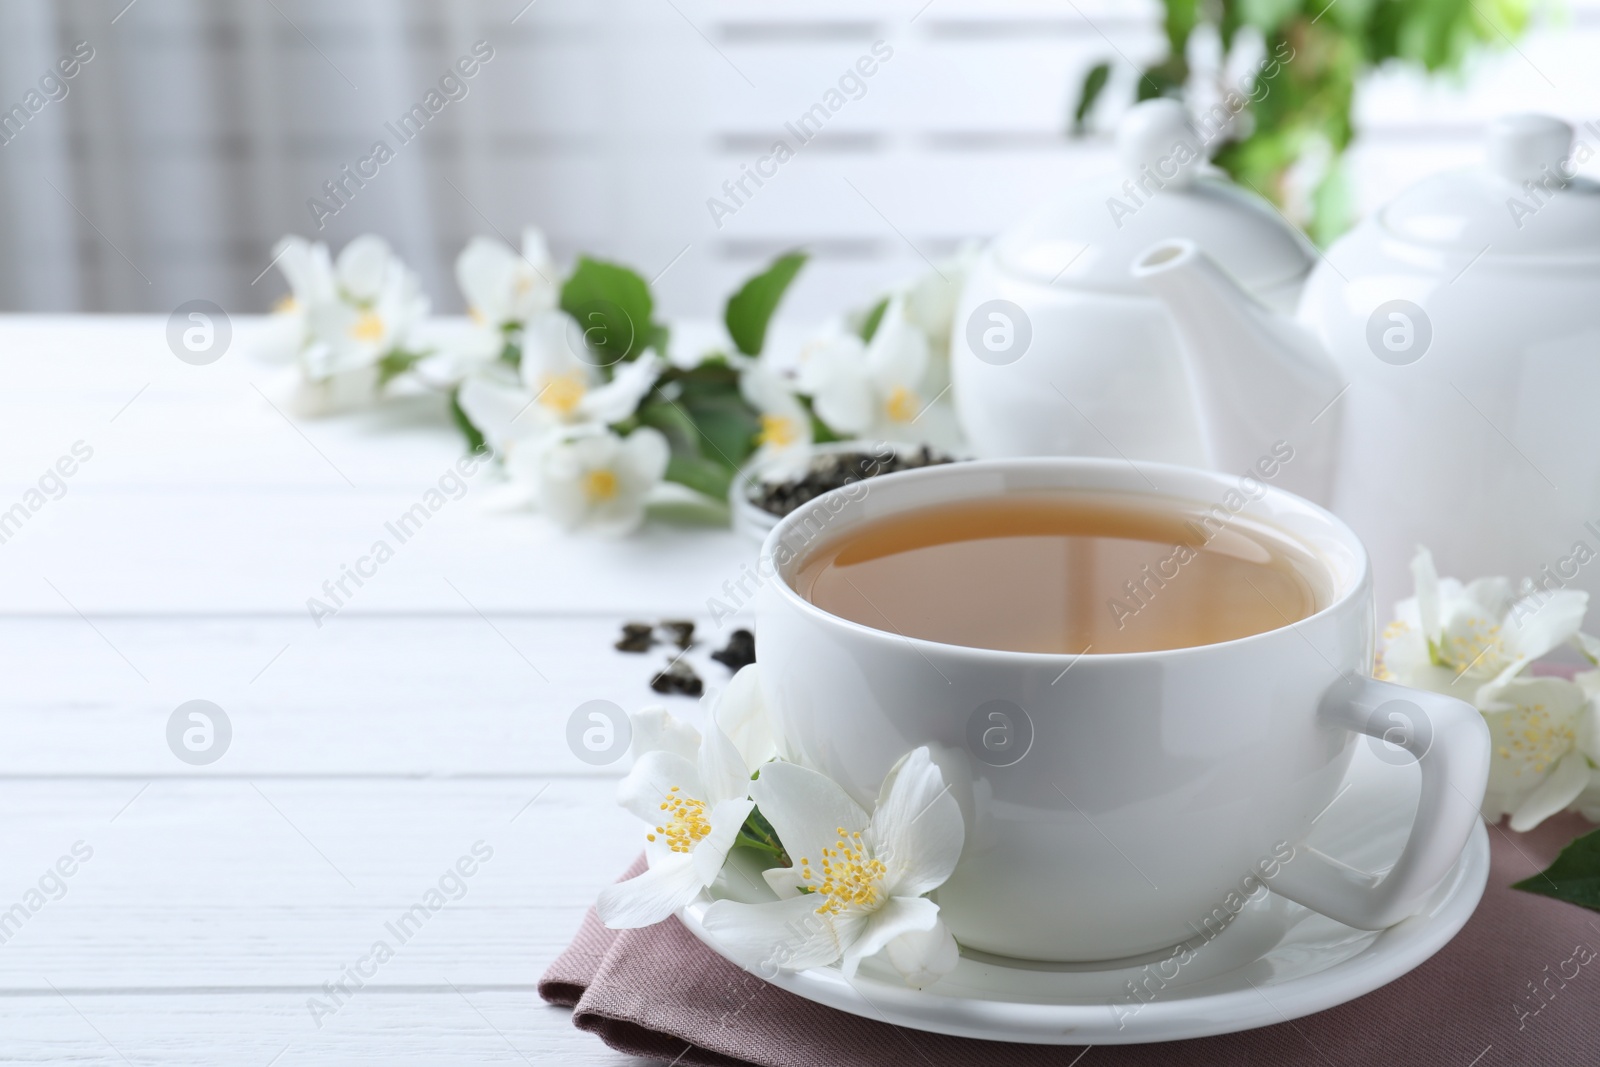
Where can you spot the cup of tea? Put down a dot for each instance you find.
(1143, 685)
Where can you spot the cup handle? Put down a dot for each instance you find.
(1450, 741)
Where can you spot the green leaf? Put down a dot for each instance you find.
(1269, 16)
(1182, 16)
(458, 415)
(1164, 79)
(728, 430)
(701, 475)
(709, 426)
(613, 307)
(757, 833)
(1573, 877)
(672, 420)
(1094, 83)
(750, 309)
(869, 325)
(395, 363)
(727, 425)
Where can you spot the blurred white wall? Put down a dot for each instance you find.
(198, 131)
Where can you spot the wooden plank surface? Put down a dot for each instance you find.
(452, 1026)
(257, 884)
(404, 695)
(420, 729)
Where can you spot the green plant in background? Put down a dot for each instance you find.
(1301, 108)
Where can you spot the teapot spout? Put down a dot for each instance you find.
(1263, 385)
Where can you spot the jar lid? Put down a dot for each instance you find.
(1526, 199)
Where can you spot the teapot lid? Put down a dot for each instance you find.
(1091, 235)
(1524, 201)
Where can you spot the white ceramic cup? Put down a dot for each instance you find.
(1119, 804)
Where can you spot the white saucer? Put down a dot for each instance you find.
(1276, 961)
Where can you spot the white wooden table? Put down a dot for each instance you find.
(368, 755)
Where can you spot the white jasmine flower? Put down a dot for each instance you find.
(505, 291)
(737, 711)
(1588, 645)
(693, 789)
(875, 390)
(504, 288)
(592, 478)
(931, 298)
(1542, 732)
(1588, 802)
(554, 387)
(858, 882)
(379, 304)
(740, 712)
(308, 268)
(1454, 638)
(364, 268)
(785, 437)
(697, 808)
(344, 317)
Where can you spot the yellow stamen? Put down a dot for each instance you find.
(851, 876)
(562, 393)
(369, 327)
(688, 824)
(600, 485)
(901, 405)
(778, 431)
(1482, 647)
(286, 305)
(1536, 740)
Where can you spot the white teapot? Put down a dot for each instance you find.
(1465, 316)
(1060, 349)
(1438, 385)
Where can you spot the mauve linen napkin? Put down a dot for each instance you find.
(1520, 985)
